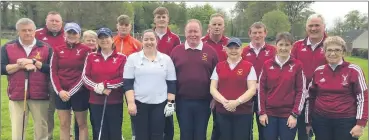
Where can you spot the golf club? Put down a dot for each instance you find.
(25, 101)
(102, 118)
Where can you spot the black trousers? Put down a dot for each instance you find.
(332, 129)
(149, 121)
(234, 126)
(301, 127)
(169, 128)
(112, 125)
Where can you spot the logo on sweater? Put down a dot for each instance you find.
(45, 38)
(223, 48)
(303, 50)
(344, 79)
(61, 52)
(267, 52)
(115, 60)
(271, 67)
(78, 50)
(97, 60)
(169, 38)
(38, 56)
(239, 71)
(321, 51)
(204, 56)
(322, 80)
(291, 67)
(248, 54)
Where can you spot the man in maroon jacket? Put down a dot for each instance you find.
(194, 63)
(257, 52)
(27, 55)
(216, 39)
(310, 52)
(166, 42)
(53, 35)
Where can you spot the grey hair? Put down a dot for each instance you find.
(89, 32)
(316, 16)
(24, 21)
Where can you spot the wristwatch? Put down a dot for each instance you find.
(34, 61)
(294, 115)
(171, 101)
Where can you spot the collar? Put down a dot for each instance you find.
(72, 45)
(199, 47)
(166, 32)
(57, 33)
(158, 57)
(279, 62)
(308, 42)
(238, 61)
(339, 63)
(222, 39)
(98, 52)
(33, 43)
(251, 46)
(123, 37)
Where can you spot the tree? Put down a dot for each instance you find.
(354, 20)
(202, 13)
(276, 21)
(338, 27)
(294, 9)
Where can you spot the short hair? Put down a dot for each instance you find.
(334, 40)
(160, 11)
(285, 36)
(124, 19)
(24, 21)
(89, 33)
(148, 31)
(196, 21)
(53, 13)
(258, 25)
(315, 16)
(216, 15)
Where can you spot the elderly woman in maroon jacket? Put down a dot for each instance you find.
(66, 69)
(282, 92)
(337, 107)
(103, 76)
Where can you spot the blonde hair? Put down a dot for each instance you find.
(89, 33)
(334, 40)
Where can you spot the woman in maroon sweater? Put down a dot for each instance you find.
(66, 69)
(337, 107)
(282, 92)
(103, 76)
(233, 84)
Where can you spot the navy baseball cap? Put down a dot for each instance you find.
(104, 31)
(72, 26)
(234, 41)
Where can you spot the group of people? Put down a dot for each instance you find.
(304, 87)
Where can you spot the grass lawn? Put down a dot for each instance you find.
(6, 127)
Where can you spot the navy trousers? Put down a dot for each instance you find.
(234, 126)
(260, 127)
(193, 117)
(332, 129)
(277, 128)
(301, 127)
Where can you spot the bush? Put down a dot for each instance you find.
(362, 53)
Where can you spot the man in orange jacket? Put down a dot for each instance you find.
(124, 42)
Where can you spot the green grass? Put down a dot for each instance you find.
(6, 126)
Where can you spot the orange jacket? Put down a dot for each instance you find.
(127, 45)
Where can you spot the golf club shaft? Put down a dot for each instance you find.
(102, 118)
(25, 102)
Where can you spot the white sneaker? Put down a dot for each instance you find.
(133, 137)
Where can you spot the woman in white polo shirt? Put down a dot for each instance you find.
(150, 85)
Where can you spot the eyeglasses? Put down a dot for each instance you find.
(335, 50)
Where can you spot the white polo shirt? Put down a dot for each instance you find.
(28, 48)
(251, 76)
(150, 77)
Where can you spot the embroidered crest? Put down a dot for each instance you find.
(61, 52)
(321, 51)
(291, 67)
(115, 60)
(169, 38)
(248, 54)
(271, 67)
(204, 56)
(267, 52)
(38, 56)
(78, 50)
(239, 71)
(303, 50)
(344, 79)
(45, 38)
(322, 80)
(97, 60)
(224, 48)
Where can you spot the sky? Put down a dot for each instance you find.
(329, 10)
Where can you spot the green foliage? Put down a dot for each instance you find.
(361, 53)
(201, 13)
(276, 21)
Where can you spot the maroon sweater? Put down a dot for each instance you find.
(282, 90)
(194, 69)
(168, 42)
(232, 84)
(341, 93)
(218, 47)
(45, 35)
(109, 71)
(266, 53)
